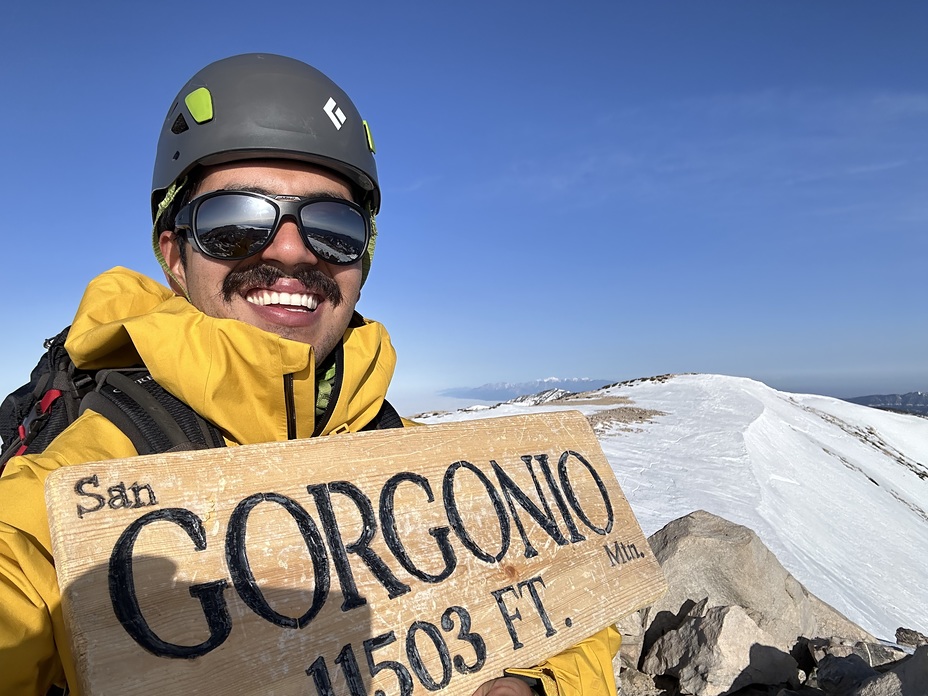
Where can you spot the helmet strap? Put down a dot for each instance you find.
(169, 195)
(368, 256)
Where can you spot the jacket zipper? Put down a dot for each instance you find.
(290, 406)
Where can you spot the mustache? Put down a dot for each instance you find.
(264, 275)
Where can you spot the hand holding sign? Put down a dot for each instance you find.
(398, 562)
(503, 686)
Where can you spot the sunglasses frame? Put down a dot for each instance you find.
(285, 205)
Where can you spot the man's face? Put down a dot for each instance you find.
(244, 290)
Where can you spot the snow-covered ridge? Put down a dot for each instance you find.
(838, 491)
(501, 391)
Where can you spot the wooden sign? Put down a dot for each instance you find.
(394, 562)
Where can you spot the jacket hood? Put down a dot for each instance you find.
(230, 372)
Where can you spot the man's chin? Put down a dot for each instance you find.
(302, 334)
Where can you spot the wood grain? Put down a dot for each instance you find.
(400, 561)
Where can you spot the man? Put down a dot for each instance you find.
(263, 197)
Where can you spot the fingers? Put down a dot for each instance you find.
(504, 686)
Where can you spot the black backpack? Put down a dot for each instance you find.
(152, 418)
(58, 392)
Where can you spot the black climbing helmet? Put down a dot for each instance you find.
(259, 105)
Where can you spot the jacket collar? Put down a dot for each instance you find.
(233, 374)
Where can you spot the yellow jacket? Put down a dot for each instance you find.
(232, 374)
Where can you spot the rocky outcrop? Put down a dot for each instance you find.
(906, 636)
(734, 621)
(719, 650)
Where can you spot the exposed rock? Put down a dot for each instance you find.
(840, 676)
(635, 683)
(731, 615)
(909, 676)
(906, 636)
(873, 654)
(722, 651)
(632, 632)
(706, 556)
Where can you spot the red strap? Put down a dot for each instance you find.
(46, 403)
(22, 438)
(40, 409)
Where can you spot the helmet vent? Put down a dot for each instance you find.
(180, 125)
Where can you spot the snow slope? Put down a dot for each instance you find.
(839, 492)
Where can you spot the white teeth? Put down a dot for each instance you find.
(286, 299)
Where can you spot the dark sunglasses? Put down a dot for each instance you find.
(233, 225)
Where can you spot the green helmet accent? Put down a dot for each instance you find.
(264, 106)
(200, 104)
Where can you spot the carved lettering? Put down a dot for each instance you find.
(551, 502)
(242, 576)
(117, 497)
(391, 536)
(125, 601)
(79, 488)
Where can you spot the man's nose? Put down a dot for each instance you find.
(287, 247)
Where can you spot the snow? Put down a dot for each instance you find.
(838, 491)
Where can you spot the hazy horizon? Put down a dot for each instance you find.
(411, 403)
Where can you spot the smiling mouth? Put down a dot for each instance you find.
(264, 285)
(293, 300)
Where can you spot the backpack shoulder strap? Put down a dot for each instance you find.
(387, 417)
(152, 418)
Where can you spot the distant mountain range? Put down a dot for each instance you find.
(503, 391)
(913, 402)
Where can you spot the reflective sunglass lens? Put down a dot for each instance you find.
(234, 226)
(334, 231)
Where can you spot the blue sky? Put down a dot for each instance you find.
(602, 189)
